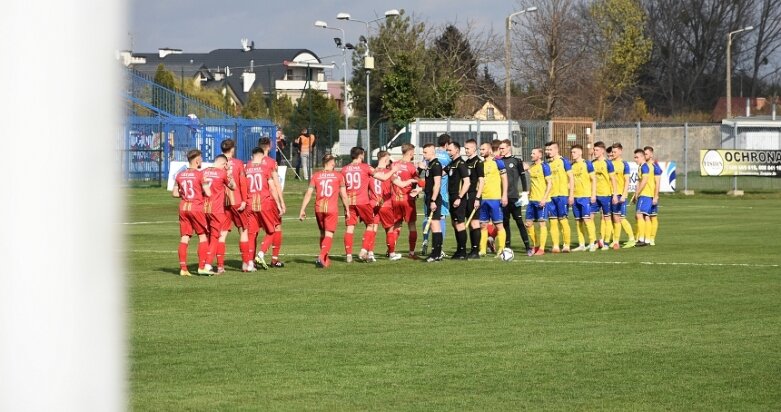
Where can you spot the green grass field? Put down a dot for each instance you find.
(692, 323)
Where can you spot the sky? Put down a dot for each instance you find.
(201, 26)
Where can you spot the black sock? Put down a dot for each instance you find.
(461, 241)
(436, 251)
(474, 235)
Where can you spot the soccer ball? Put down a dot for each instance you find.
(507, 255)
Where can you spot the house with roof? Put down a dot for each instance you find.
(237, 72)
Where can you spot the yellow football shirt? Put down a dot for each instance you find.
(622, 170)
(650, 187)
(558, 169)
(583, 171)
(493, 169)
(539, 175)
(603, 169)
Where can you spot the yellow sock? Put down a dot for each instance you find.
(543, 236)
(566, 232)
(628, 229)
(554, 232)
(592, 230)
(616, 232)
(601, 230)
(532, 235)
(501, 237)
(654, 227)
(580, 225)
(608, 230)
(483, 240)
(641, 229)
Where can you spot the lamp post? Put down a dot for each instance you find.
(507, 104)
(729, 68)
(368, 64)
(340, 44)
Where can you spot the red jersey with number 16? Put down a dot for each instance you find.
(257, 179)
(190, 186)
(357, 178)
(326, 185)
(217, 179)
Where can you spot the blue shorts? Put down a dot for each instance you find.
(558, 207)
(654, 209)
(582, 207)
(536, 212)
(644, 205)
(603, 205)
(491, 210)
(619, 208)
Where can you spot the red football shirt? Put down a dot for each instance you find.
(357, 178)
(239, 193)
(257, 179)
(269, 164)
(406, 171)
(326, 185)
(190, 186)
(217, 179)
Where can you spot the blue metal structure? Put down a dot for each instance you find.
(153, 136)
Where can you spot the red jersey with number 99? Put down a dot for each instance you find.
(326, 185)
(190, 186)
(257, 182)
(357, 178)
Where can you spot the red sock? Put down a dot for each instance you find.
(368, 240)
(321, 241)
(244, 248)
(253, 245)
(266, 242)
(413, 239)
(390, 239)
(276, 244)
(220, 254)
(182, 256)
(213, 240)
(203, 253)
(348, 243)
(325, 248)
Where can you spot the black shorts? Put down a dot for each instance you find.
(457, 214)
(437, 213)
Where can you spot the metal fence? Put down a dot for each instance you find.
(149, 144)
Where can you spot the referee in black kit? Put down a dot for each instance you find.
(457, 186)
(515, 173)
(433, 176)
(474, 168)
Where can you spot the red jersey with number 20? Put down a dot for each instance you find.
(190, 186)
(257, 179)
(326, 185)
(357, 178)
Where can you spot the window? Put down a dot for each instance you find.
(490, 115)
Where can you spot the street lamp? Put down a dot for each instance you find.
(507, 104)
(368, 65)
(341, 45)
(729, 67)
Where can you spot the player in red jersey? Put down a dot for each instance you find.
(327, 185)
(403, 201)
(382, 194)
(237, 200)
(264, 204)
(217, 178)
(276, 219)
(191, 188)
(357, 178)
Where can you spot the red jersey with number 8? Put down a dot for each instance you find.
(326, 185)
(190, 186)
(357, 178)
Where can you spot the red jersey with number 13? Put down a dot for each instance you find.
(190, 185)
(326, 185)
(357, 178)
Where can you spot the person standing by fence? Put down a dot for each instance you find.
(306, 142)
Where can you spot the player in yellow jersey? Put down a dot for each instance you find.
(494, 197)
(606, 192)
(541, 184)
(649, 157)
(561, 197)
(584, 195)
(644, 196)
(619, 209)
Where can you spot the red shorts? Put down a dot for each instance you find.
(406, 211)
(363, 212)
(219, 222)
(269, 217)
(190, 222)
(327, 221)
(240, 219)
(387, 216)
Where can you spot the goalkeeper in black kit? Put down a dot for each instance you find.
(516, 173)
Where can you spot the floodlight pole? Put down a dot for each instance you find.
(323, 25)
(507, 82)
(729, 68)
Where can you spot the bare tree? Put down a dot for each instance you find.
(767, 40)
